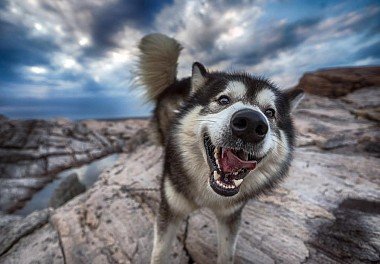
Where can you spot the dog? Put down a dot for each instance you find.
(228, 137)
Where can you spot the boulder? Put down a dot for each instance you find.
(337, 82)
(66, 190)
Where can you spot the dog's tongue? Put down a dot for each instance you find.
(229, 162)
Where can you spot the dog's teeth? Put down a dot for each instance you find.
(217, 160)
(216, 176)
(216, 155)
(238, 182)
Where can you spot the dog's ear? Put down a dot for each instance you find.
(294, 96)
(198, 77)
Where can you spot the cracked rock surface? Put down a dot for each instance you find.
(32, 152)
(326, 211)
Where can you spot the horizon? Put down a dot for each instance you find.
(75, 59)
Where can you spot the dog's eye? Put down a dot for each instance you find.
(223, 100)
(270, 113)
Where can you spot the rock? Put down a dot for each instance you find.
(12, 232)
(331, 124)
(13, 198)
(326, 211)
(358, 217)
(67, 189)
(81, 129)
(139, 138)
(6, 219)
(112, 222)
(365, 103)
(39, 247)
(82, 158)
(293, 224)
(57, 163)
(301, 221)
(62, 121)
(339, 81)
(363, 98)
(371, 114)
(32, 149)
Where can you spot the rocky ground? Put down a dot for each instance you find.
(327, 210)
(32, 152)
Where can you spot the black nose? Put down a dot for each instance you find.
(249, 125)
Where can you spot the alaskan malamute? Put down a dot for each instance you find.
(228, 137)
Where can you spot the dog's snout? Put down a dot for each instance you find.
(249, 125)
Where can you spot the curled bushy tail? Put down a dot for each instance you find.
(157, 68)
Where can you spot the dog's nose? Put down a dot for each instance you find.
(249, 125)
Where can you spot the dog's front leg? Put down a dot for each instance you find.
(228, 227)
(164, 232)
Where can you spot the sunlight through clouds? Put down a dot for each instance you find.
(37, 70)
(88, 48)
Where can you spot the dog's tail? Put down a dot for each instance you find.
(157, 68)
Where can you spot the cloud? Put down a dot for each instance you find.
(55, 36)
(18, 48)
(210, 31)
(112, 18)
(242, 35)
(70, 48)
(281, 38)
(371, 51)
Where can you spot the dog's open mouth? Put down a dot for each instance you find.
(228, 167)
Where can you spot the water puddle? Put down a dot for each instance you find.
(76, 180)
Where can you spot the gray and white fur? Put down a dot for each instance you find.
(228, 137)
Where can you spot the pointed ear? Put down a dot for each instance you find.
(294, 95)
(198, 77)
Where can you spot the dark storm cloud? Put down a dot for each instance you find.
(109, 20)
(371, 51)
(75, 47)
(3, 4)
(17, 49)
(370, 24)
(287, 37)
(292, 35)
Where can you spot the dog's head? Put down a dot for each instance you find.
(236, 127)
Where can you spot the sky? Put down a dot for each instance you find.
(76, 59)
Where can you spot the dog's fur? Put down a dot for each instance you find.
(186, 112)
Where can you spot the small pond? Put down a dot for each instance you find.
(86, 176)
